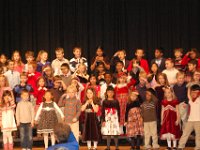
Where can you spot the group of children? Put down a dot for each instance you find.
(119, 97)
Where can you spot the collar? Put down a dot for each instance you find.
(42, 88)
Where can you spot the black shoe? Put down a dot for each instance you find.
(174, 148)
(137, 148)
(132, 148)
(116, 148)
(168, 148)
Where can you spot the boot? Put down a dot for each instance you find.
(10, 146)
(5, 146)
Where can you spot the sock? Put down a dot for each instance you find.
(116, 141)
(53, 139)
(108, 141)
(169, 143)
(95, 144)
(46, 140)
(174, 143)
(89, 144)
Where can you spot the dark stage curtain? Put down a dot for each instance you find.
(114, 24)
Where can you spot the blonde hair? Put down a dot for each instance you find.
(180, 73)
(143, 74)
(38, 59)
(171, 90)
(71, 88)
(5, 79)
(59, 49)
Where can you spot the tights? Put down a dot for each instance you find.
(46, 140)
(7, 137)
(109, 140)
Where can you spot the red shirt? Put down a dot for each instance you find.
(143, 63)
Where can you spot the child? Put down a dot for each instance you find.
(120, 55)
(118, 69)
(134, 121)
(18, 64)
(193, 122)
(29, 55)
(93, 82)
(180, 91)
(110, 117)
(79, 87)
(121, 94)
(100, 71)
(178, 53)
(90, 107)
(56, 63)
(74, 62)
(170, 129)
(46, 118)
(193, 54)
(3, 62)
(139, 53)
(58, 89)
(66, 74)
(25, 121)
(12, 75)
(42, 60)
(152, 77)
(33, 76)
(191, 67)
(81, 73)
(8, 120)
(150, 119)
(72, 109)
(100, 57)
(23, 85)
(170, 71)
(47, 73)
(159, 60)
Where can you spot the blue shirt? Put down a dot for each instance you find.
(71, 144)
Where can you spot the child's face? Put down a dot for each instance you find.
(142, 80)
(154, 68)
(25, 96)
(133, 96)
(121, 55)
(64, 70)
(108, 78)
(41, 82)
(178, 54)
(82, 69)
(139, 53)
(99, 52)
(193, 55)
(161, 80)
(16, 57)
(11, 65)
(2, 81)
(194, 94)
(29, 59)
(93, 81)
(191, 67)
(148, 95)
(31, 69)
(77, 53)
(196, 76)
(158, 54)
(59, 55)
(71, 93)
(89, 94)
(48, 71)
(57, 84)
(44, 56)
(110, 94)
(169, 64)
(74, 82)
(100, 68)
(180, 79)
(122, 79)
(168, 94)
(3, 59)
(7, 98)
(23, 79)
(119, 67)
(48, 96)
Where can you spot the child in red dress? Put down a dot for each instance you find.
(170, 119)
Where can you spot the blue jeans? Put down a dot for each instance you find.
(26, 135)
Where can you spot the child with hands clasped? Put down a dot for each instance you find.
(110, 117)
(91, 131)
(170, 129)
(46, 117)
(8, 120)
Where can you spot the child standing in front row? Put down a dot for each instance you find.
(110, 117)
(91, 130)
(46, 117)
(134, 121)
(193, 122)
(170, 129)
(8, 120)
(25, 121)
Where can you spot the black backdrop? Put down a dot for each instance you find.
(114, 24)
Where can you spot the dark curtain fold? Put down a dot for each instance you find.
(114, 24)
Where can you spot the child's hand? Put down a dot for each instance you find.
(125, 124)
(161, 122)
(63, 119)
(32, 124)
(103, 124)
(74, 120)
(18, 124)
(35, 122)
(177, 122)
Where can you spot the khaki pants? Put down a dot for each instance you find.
(189, 127)
(150, 130)
(75, 129)
(183, 111)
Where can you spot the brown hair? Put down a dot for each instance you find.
(178, 50)
(20, 59)
(6, 80)
(62, 132)
(47, 91)
(5, 93)
(95, 99)
(59, 49)
(23, 74)
(41, 77)
(77, 47)
(38, 59)
(164, 76)
(29, 53)
(33, 64)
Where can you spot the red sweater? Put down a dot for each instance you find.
(186, 59)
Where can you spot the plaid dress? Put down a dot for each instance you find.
(134, 121)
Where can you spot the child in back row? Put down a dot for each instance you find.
(42, 60)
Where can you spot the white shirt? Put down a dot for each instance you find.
(171, 75)
(56, 64)
(13, 78)
(194, 114)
